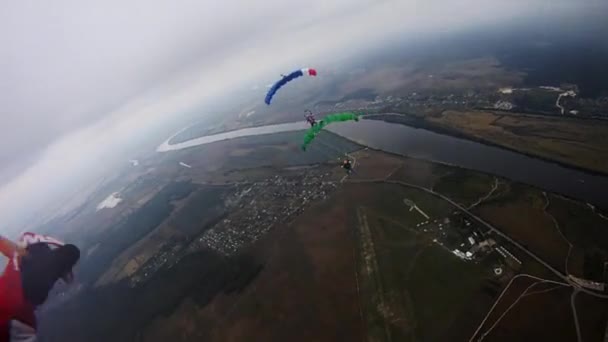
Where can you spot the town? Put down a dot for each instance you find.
(545, 100)
(255, 208)
(264, 204)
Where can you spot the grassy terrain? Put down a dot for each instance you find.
(132, 229)
(538, 316)
(582, 143)
(351, 267)
(478, 74)
(559, 230)
(204, 208)
(522, 212)
(307, 290)
(414, 285)
(586, 230)
(442, 287)
(117, 312)
(190, 217)
(592, 315)
(464, 187)
(521, 215)
(536, 100)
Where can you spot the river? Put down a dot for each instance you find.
(239, 133)
(424, 144)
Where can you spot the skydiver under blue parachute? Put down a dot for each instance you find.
(285, 79)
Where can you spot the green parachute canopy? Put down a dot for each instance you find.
(316, 129)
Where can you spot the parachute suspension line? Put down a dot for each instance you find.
(340, 153)
(323, 141)
(343, 154)
(328, 154)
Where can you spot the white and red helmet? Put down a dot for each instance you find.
(26, 239)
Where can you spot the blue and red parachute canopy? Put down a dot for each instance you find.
(287, 78)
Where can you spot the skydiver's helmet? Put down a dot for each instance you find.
(43, 266)
(61, 258)
(39, 247)
(67, 256)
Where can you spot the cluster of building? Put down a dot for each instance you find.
(454, 100)
(254, 209)
(503, 99)
(466, 240)
(418, 100)
(168, 256)
(260, 206)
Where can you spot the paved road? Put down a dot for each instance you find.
(505, 291)
(487, 225)
(576, 325)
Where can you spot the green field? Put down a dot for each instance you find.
(414, 289)
(442, 287)
(464, 187)
(586, 230)
(412, 285)
(355, 264)
(581, 143)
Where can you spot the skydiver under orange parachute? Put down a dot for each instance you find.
(35, 263)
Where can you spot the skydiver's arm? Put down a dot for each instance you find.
(9, 248)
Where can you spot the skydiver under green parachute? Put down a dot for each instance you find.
(319, 125)
(316, 129)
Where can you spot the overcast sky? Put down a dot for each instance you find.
(78, 78)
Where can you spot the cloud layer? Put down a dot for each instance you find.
(78, 79)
